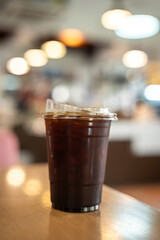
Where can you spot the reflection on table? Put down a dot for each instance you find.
(26, 212)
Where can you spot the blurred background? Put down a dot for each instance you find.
(86, 53)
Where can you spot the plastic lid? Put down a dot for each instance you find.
(57, 109)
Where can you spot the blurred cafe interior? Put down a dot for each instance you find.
(85, 53)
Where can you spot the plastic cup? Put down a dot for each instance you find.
(77, 143)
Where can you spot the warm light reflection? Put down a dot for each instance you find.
(152, 92)
(17, 66)
(138, 26)
(72, 37)
(32, 187)
(60, 93)
(54, 49)
(135, 59)
(46, 199)
(15, 177)
(36, 57)
(153, 73)
(109, 232)
(113, 19)
(38, 126)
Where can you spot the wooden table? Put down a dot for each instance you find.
(26, 214)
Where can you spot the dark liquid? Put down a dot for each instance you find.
(77, 153)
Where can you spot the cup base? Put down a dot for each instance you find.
(77, 210)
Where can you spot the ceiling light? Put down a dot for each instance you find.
(54, 49)
(138, 26)
(135, 59)
(152, 92)
(17, 66)
(72, 37)
(113, 19)
(36, 57)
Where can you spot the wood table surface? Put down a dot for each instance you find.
(26, 213)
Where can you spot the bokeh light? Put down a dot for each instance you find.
(138, 26)
(54, 49)
(72, 37)
(15, 177)
(153, 72)
(32, 187)
(113, 19)
(17, 66)
(61, 93)
(135, 59)
(152, 92)
(36, 57)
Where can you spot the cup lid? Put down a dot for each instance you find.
(58, 109)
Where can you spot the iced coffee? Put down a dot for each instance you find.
(77, 142)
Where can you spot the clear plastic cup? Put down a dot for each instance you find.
(77, 142)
